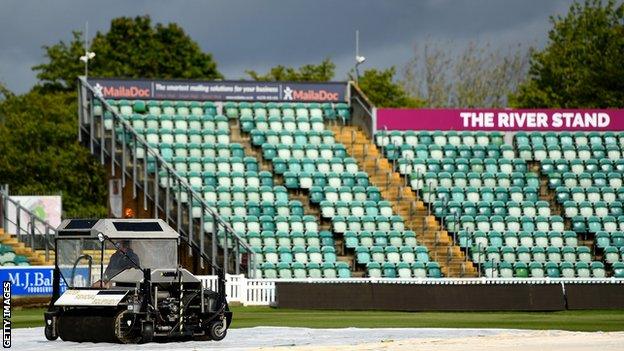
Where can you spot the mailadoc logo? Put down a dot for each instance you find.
(121, 91)
(309, 95)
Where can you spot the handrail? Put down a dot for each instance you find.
(363, 110)
(32, 220)
(194, 196)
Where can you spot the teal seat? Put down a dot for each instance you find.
(374, 269)
(284, 271)
(343, 270)
(299, 270)
(268, 270)
(285, 254)
(618, 270)
(389, 270)
(598, 269)
(362, 255)
(552, 270)
(329, 254)
(537, 270)
(433, 270)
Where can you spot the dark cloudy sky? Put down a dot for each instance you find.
(256, 34)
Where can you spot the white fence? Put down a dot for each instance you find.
(252, 292)
(246, 291)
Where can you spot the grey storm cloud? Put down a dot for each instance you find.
(259, 34)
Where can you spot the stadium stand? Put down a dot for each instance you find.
(309, 160)
(313, 195)
(15, 253)
(510, 221)
(198, 142)
(284, 183)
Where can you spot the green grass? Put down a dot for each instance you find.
(609, 320)
(27, 317)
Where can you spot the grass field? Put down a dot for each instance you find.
(266, 316)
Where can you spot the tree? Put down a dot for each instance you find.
(132, 48)
(5, 92)
(382, 91)
(41, 154)
(475, 76)
(581, 65)
(322, 72)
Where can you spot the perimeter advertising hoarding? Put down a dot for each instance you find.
(37, 280)
(500, 119)
(219, 90)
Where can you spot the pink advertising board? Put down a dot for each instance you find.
(500, 119)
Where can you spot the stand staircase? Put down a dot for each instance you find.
(35, 257)
(429, 231)
(237, 136)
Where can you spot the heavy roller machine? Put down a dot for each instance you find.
(123, 283)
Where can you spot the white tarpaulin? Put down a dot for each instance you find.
(358, 339)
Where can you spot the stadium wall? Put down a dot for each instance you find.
(449, 297)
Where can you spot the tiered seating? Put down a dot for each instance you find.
(585, 170)
(306, 155)
(8, 257)
(290, 117)
(490, 200)
(195, 139)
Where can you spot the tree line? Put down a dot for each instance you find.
(580, 66)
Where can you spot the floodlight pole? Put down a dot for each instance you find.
(87, 54)
(86, 47)
(357, 54)
(358, 59)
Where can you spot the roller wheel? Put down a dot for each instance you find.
(50, 333)
(124, 328)
(217, 330)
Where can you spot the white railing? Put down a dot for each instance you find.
(252, 292)
(246, 291)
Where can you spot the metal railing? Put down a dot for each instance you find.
(173, 199)
(362, 110)
(33, 231)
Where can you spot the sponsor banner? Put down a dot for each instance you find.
(91, 298)
(46, 208)
(37, 280)
(501, 119)
(219, 90)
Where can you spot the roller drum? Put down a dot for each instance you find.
(96, 325)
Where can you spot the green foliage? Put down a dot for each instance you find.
(322, 72)
(41, 153)
(382, 91)
(4, 92)
(132, 48)
(581, 66)
(38, 130)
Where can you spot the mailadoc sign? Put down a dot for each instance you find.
(500, 119)
(219, 90)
